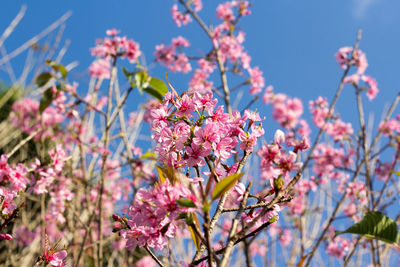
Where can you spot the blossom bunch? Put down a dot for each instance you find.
(276, 162)
(154, 215)
(331, 123)
(287, 111)
(109, 48)
(13, 181)
(191, 129)
(346, 57)
(172, 55)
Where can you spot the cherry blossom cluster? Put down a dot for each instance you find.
(183, 18)
(326, 161)
(390, 127)
(346, 58)
(332, 125)
(234, 199)
(12, 181)
(226, 11)
(26, 117)
(190, 128)
(37, 180)
(227, 47)
(109, 48)
(287, 111)
(199, 81)
(154, 215)
(55, 258)
(172, 55)
(230, 48)
(276, 162)
(337, 246)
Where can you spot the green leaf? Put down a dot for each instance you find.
(375, 225)
(193, 233)
(43, 78)
(157, 88)
(63, 71)
(58, 67)
(161, 174)
(181, 216)
(206, 205)
(273, 219)
(158, 85)
(167, 172)
(397, 173)
(225, 185)
(185, 202)
(46, 100)
(151, 91)
(141, 80)
(128, 74)
(148, 154)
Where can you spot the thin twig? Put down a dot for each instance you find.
(153, 256)
(36, 38)
(235, 222)
(23, 142)
(104, 159)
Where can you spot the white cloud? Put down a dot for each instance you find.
(362, 7)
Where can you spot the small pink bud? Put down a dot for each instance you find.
(279, 137)
(5, 236)
(116, 217)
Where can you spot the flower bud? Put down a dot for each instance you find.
(278, 184)
(279, 137)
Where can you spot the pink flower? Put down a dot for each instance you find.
(258, 249)
(55, 258)
(112, 32)
(345, 57)
(372, 86)
(286, 111)
(180, 18)
(101, 69)
(168, 56)
(207, 135)
(154, 215)
(194, 153)
(256, 80)
(113, 46)
(338, 246)
(185, 106)
(390, 127)
(225, 12)
(350, 209)
(279, 137)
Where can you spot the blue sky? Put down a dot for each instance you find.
(293, 42)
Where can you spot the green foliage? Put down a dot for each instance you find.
(43, 78)
(225, 185)
(46, 100)
(185, 202)
(58, 68)
(157, 88)
(145, 83)
(375, 225)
